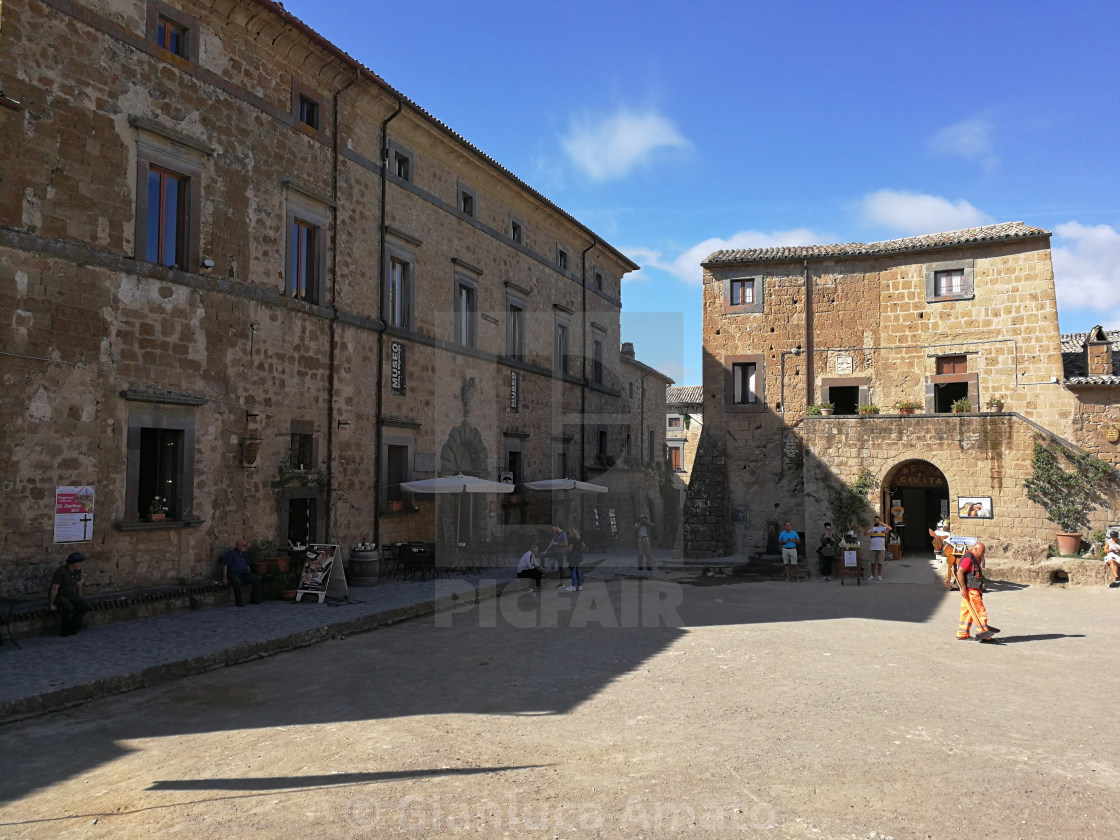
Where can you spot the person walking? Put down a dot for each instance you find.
(970, 578)
(826, 552)
(557, 549)
(236, 573)
(789, 539)
(642, 533)
(65, 595)
(575, 558)
(878, 533)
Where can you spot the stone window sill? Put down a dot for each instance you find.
(166, 525)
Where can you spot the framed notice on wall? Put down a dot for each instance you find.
(974, 507)
(73, 514)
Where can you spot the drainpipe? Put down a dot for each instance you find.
(333, 324)
(809, 315)
(583, 384)
(381, 333)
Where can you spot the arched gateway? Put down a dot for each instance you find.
(915, 494)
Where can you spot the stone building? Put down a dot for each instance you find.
(241, 273)
(907, 325)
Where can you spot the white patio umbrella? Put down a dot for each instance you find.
(553, 484)
(458, 484)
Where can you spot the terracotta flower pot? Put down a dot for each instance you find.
(282, 563)
(157, 517)
(827, 412)
(396, 505)
(260, 567)
(1069, 544)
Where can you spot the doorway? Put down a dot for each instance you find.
(844, 398)
(923, 494)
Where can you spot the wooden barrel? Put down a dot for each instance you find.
(364, 568)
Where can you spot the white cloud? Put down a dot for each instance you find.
(686, 266)
(613, 146)
(917, 213)
(1087, 270)
(969, 139)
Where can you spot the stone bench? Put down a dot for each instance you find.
(1071, 571)
(24, 617)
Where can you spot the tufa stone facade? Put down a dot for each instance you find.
(241, 273)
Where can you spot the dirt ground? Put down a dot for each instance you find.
(777, 710)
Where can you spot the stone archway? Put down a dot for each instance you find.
(464, 452)
(923, 491)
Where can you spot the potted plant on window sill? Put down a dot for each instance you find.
(157, 509)
(826, 408)
(995, 404)
(261, 556)
(962, 406)
(907, 406)
(868, 408)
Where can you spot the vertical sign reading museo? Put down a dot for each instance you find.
(73, 514)
(397, 379)
(514, 391)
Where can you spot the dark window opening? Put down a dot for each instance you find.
(597, 362)
(309, 112)
(562, 259)
(301, 452)
(844, 398)
(513, 464)
(947, 394)
(403, 166)
(599, 280)
(396, 459)
(400, 310)
(601, 446)
(468, 204)
(161, 471)
(515, 231)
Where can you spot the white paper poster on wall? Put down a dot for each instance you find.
(73, 514)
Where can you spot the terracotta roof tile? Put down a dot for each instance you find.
(684, 395)
(1073, 360)
(990, 233)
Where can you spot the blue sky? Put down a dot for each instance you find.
(675, 129)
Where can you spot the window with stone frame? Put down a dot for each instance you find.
(466, 312)
(601, 441)
(742, 292)
(301, 445)
(516, 230)
(172, 30)
(467, 201)
(676, 456)
(308, 111)
(674, 422)
(744, 383)
(160, 460)
(304, 254)
(399, 304)
(946, 283)
(169, 200)
(168, 218)
(515, 329)
(397, 447)
(598, 344)
(561, 257)
(561, 355)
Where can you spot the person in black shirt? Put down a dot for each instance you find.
(66, 594)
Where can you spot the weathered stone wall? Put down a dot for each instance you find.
(871, 325)
(979, 455)
(86, 317)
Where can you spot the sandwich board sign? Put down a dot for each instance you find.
(322, 573)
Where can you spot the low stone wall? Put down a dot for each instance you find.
(1070, 571)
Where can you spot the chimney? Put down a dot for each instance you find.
(1098, 353)
(628, 349)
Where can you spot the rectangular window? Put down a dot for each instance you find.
(467, 200)
(742, 291)
(597, 360)
(675, 460)
(303, 265)
(396, 460)
(599, 280)
(952, 364)
(301, 451)
(601, 442)
(562, 257)
(400, 293)
(468, 204)
(173, 37)
(516, 231)
(674, 422)
(743, 383)
(513, 464)
(167, 218)
(308, 111)
(466, 314)
(160, 471)
(652, 444)
(947, 283)
(515, 331)
(561, 360)
(560, 464)
(403, 166)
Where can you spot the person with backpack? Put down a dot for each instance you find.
(970, 578)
